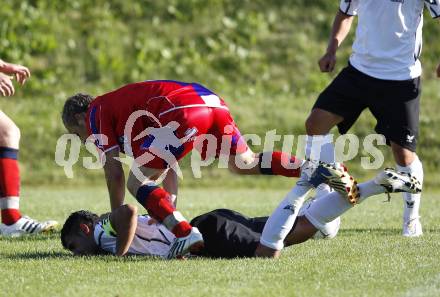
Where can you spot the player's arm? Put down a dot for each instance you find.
(20, 72)
(341, 27)
(114, 176)
(124, 221)
(170, 184)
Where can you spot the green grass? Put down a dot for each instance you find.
(367, 258)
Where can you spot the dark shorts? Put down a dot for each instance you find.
(229, 234)
(394, 104)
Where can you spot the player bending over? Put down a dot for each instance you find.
(158, 123)
(226, 233)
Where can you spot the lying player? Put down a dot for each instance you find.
(158, 123)
(226, 233)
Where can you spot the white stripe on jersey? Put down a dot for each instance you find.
(149, 240)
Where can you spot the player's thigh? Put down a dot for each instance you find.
(9, 132)
(340, 103)
(397, 112)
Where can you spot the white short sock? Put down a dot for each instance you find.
(327, 208)
(368, 189)
(282, 219)
(320, 147)
(412, 201)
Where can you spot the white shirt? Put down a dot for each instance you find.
(151, 240)
(389, 36)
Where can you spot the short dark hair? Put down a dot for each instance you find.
(78, 103)
(71, 226)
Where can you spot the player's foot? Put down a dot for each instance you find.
(412, 228)
(181, 246)
(26, 225)
(394, 181)
(338, 178)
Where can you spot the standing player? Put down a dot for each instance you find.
(158, 123)
(13, 223)
(383, 75)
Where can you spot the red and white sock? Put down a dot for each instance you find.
(9, 185)
(279, 163)
(158, 204)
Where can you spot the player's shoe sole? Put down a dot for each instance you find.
(339, 179)
(394, 181)
(182, 246)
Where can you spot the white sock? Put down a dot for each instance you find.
(412, 201)
(327, 208)
(322, 190)
(282, 219)
(368, 189)
(320, 147)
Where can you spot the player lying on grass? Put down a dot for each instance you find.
(158, 123)
(226, 233)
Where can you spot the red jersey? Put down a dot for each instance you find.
(108, 114)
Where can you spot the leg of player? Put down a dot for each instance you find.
(319, 147)
(13, 223)
(408, 161)
(159, 205)
(325, 210)
(267, 163)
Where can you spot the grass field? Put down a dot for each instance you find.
(367, 258)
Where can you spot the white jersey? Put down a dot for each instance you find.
(151, 240)
(389, 36)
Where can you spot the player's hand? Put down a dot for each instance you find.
(438, 71)
(6, 86)
(327, 62)
(20, 72)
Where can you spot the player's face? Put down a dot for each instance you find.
(80, 130)
(82, 244)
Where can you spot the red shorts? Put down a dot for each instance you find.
(210, 130)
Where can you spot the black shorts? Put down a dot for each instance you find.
(394, 104)
(229, 234)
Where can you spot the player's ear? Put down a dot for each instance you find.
(85, 228)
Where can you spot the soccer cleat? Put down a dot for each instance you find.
(412, 228)
(338, 178)
(394, 181)
(26, 225)
(182, 246)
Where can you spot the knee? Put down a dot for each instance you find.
(311, 124)
(10, 136)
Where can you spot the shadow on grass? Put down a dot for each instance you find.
(380, 231)
(68, 256)
(36, 256)
(38, 237)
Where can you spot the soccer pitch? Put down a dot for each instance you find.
(367, 258)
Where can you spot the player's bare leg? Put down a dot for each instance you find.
(159, 203)
(13, 223)
(408, 161)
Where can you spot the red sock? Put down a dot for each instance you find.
(280, 164)
(157, 202)
(9, 185)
